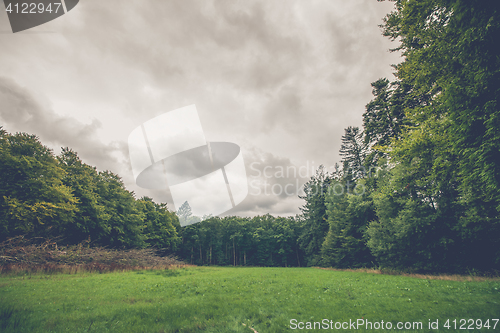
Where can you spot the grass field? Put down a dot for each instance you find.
(217, 299)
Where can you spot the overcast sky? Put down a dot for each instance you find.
(282, 79)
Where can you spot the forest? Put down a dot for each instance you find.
(418, 186)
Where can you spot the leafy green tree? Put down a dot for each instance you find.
(384, 119)
(91, 217)
(160, 224)
(265, 244)
(33, 199)
(314, 226)
(285, 235)
(410, 232)
(348, 217)
(452, 146)
(124, 225)
(349, 207)
(353, 151)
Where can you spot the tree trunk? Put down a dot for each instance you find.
(298, 260)
(245, 258)
(201, 256)
(234, 254)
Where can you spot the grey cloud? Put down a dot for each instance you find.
(180, 39)
(274, 184)
(20, 111)
(284, 110)
(252, 23)
(285, 77)
(356, 45)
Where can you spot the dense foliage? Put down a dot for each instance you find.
(440, 203)
(434, 135)
(42, 195)
(258, 241)
(418, 188)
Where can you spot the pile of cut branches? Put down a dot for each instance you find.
(20, 254)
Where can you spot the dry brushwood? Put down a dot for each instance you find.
(37, 254)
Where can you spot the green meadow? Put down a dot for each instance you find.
(226, 299)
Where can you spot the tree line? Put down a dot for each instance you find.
(241, 241)
(417, 188)
(43, 195)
